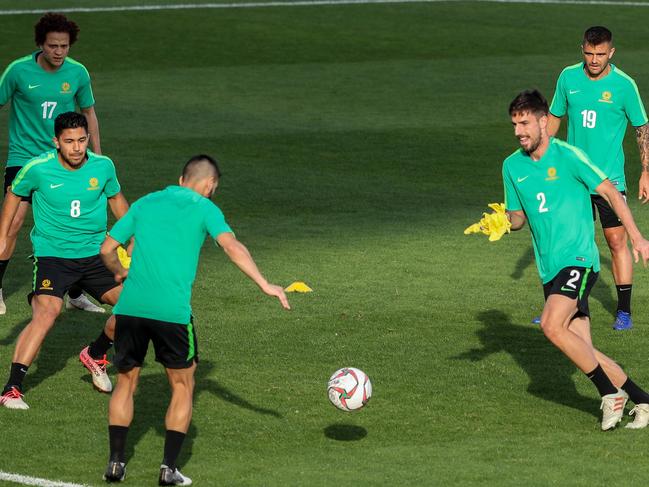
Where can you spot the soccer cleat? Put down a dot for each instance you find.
(3, 306)
(623, 321)
(115, 472)
(641, 420)
(13, 399)
(172, 477)
(97, 368)
(83, 303)
(536, 320)
(613, 409)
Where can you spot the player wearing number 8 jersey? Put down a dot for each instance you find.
(547, 183)
(71, 189)
(599, 99)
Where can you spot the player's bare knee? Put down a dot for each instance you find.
(550, 329)
(617, 241)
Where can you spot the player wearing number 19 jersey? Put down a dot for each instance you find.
(547, 183)
(599, 99)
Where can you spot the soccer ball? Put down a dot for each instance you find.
(349, 389)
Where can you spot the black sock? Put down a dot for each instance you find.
(74, 292)
(601, 381)
(3, 269)
(117, 440)
(100, 346)
(635, 392)
(16, 376)
(624, 297)
(173, 444)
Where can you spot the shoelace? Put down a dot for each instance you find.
(102, 362)
(13, 393)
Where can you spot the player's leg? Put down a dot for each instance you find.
(12, 237)
(45, 310)
(77, 300)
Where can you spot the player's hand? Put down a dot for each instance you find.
(278, 292)
(121, 276)
(495, 224)
(643, 187)
(641, 250)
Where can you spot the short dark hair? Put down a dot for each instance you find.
(597, 35)
(193, 167)
(69, 120)
(529, 101)
(51, 22)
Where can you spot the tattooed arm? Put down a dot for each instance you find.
(642, 134)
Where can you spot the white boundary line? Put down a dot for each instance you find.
(26, 480)
(305, 3)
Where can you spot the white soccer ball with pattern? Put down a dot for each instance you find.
(349, 389)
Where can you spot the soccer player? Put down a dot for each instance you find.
(169, 229)
(598, 99)
(548, 183)
(40, 86)
(71, 189)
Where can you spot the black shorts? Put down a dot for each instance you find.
(10, 175)
(575, 283)
(607, 216)
(54, 276)
(175, 345)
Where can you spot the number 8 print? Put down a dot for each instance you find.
(75, 208)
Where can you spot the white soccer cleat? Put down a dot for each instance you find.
(641, 420)
(613, 409)
(83, 303)
(97, 368)
(3, 306)
(172, 477)
(13, 399)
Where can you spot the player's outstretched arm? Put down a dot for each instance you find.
(93, 128)
(239, 255)
(9, 209)
(616, 200)
(109, 255)
(517, 218)
(118, 205)
(642, 135)
(553, 125)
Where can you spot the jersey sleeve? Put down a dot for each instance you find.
(559, 103)
(84, 96)
(634, 107)
(512, 201)
(215, 223)
(586, 171)
(124, 228)
(7, 85)
(26, 180)
(112, 186)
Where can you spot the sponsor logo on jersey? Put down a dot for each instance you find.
(94, 184)
(65, 87)
(31, 86)
(46, 285)
(573, 92)
(54, 186)
(520, 180)
(552, 174)
(606, 97)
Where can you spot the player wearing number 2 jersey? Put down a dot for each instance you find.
(547, 183)
(40, 86)
(71, 189)
(599, 99)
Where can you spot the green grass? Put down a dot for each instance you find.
(357, 142)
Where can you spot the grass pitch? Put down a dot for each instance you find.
(357, 142)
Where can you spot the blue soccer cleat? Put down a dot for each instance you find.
(536, 320)
(623, 321)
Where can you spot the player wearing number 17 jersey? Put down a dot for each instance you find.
(599, 100)
(548, 183)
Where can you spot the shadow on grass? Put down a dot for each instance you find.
(550, 372)
(602, 291)
(345, 432)
(152, 399)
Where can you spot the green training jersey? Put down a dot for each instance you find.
(37, 97)
(597, 115)
(169, 228)
(554, 192)
(70, 206)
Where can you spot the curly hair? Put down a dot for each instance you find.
(69, 120)
(51, 22)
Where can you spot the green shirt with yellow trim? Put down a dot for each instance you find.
(597, 115)
(554, 192)
(37, 97)
(70, 206)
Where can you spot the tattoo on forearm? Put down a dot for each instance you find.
(642, 134)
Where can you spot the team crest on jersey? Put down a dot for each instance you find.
(94, 184)
(65, 87)
(46, 285)
(552, 174)
(606, 97)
